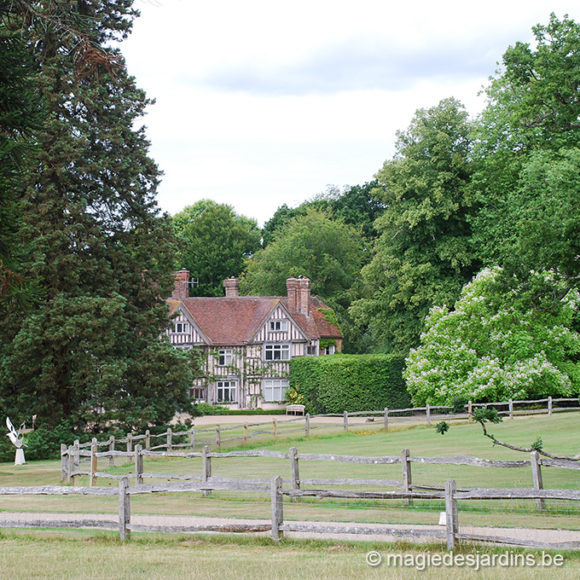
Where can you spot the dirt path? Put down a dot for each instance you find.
(380, 532)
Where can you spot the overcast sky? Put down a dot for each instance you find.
(263, 102)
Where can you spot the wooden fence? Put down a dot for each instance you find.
(217, 435)
(71, 466)
(452, 533)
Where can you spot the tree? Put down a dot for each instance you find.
(532, 115)
(316, 246)
(423, 255)
(20, 113)
(98, 245)
(503, 339)
(213, 243)
(354, 206)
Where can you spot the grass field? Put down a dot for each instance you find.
(100, 555)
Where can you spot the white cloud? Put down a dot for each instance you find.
(261, 103)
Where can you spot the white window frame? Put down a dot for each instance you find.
(225, 357)
(227, 391)
(274, 390)
(271, 350)
(279, 325)
(181, 328)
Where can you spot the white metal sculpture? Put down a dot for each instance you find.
(17, 442)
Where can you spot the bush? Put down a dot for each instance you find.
(333, 384)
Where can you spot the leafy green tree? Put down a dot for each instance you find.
(354, 206)
(314, 245)
(499, 343)
(532, 118)
(98, 246)
(213, 244)
(423, 255)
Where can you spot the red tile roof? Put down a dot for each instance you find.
(235, 321)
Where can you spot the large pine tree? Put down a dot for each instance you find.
(89, 350)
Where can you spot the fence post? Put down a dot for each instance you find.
(76, 460)
(537, 476)
(511, 409)
(451, 518)
(428, 414)
(407, 479)
(470, 411)
(218, 436)
(71, 465)
(192, 438)
(294, 468)
(111, 449)
(245, 432)
(129, 442)
(277, 507)
(275, 427)
(94, 463)
(307, 424)
(64, 463)
(345, 421)
(550, 402)
(124, 509)
(148, 440)
(206, 467)
(386, 419)
(139, 464)
(169, 439)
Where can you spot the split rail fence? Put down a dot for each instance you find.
(216, 435)
(70, 466)
(451, 533)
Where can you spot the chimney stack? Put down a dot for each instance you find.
(232, 286)
(299, 295)
(181, 290)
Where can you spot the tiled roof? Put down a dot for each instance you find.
(235, 321)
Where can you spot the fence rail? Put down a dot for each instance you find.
(451, 533)
(213, 436)
(71, 466)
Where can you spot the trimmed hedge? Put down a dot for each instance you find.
(337, 383)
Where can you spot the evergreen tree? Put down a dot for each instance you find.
(90, 350)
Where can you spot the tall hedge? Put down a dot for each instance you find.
(337, 383)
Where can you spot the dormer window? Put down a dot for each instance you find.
(181, 328)
(278, 325)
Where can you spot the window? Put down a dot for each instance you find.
(197, 393)
(227, 391)
(181, 327)
(274, 390)
(225, 357)
(278, 325)
(330, 349)
(311, 350)
(277, 352)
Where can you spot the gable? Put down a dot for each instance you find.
(180, 334)
(279, 326)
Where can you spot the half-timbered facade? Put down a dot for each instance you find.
(248, 341)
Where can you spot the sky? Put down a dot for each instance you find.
(261, 103)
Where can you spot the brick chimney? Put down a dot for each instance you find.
(232, 286)
(298, 295)
(181, 290)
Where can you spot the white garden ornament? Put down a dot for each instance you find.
(17, 442)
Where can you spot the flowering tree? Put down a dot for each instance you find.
(501, 340)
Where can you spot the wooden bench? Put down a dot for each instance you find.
(294, 409)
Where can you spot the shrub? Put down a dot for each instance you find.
(333, 384)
